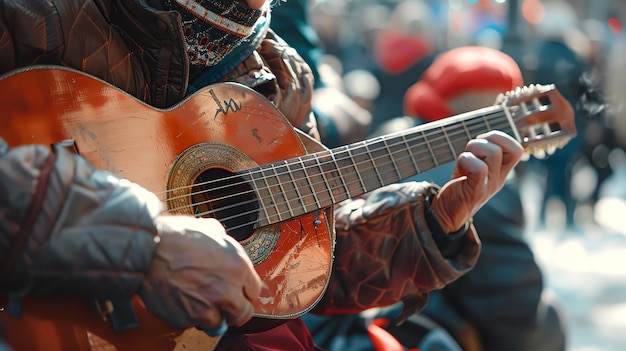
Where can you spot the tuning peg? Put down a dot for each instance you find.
(551, 149)
(539, 153)
(501, 98)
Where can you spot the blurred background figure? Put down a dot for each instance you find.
(341, 120)
(401, 50)
(561, 56)
(502, 304)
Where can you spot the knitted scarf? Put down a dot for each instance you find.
(213, 28)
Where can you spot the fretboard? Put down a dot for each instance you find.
(300, 185)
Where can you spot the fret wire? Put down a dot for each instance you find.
(393, 162)
(284, 192)
(430, 149)
(341, 178)
(380, 180)
(413, 161)
(486, 122)
(399, 152)
(469, 136)
(296, 187)
(318, 183)
(273, 199)
(379, 155)
(262, 203)
(323, 175)
(353, 165)
(449, 142)
(358, 165)
(310, 183)
(442, 152)
(457, 143)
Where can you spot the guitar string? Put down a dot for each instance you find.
(428, 132)
(267, 217)
(308, 185)
(432, 130)
(418, 159)
(465, 130)
(276, 206)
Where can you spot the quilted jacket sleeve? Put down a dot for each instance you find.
(67, 228)
(386, 252)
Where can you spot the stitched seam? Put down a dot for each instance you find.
(33, 211)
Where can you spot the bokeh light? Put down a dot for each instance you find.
(615, 25)
(533, 11)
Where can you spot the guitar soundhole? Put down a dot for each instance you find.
(227, 197)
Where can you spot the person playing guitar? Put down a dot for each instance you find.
(123, 121)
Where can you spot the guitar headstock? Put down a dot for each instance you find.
(543, 118)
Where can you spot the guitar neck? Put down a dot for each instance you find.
(308, 183)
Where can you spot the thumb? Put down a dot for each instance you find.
(448, 205)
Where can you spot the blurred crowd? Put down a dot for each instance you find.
(377, 49)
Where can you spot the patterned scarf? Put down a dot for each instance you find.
(213, 28)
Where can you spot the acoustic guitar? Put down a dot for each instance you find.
(227, 152)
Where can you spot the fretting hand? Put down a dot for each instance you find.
(479, 173)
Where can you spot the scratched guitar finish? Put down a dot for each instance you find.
(226, 152)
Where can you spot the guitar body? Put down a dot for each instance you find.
(218, 131)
